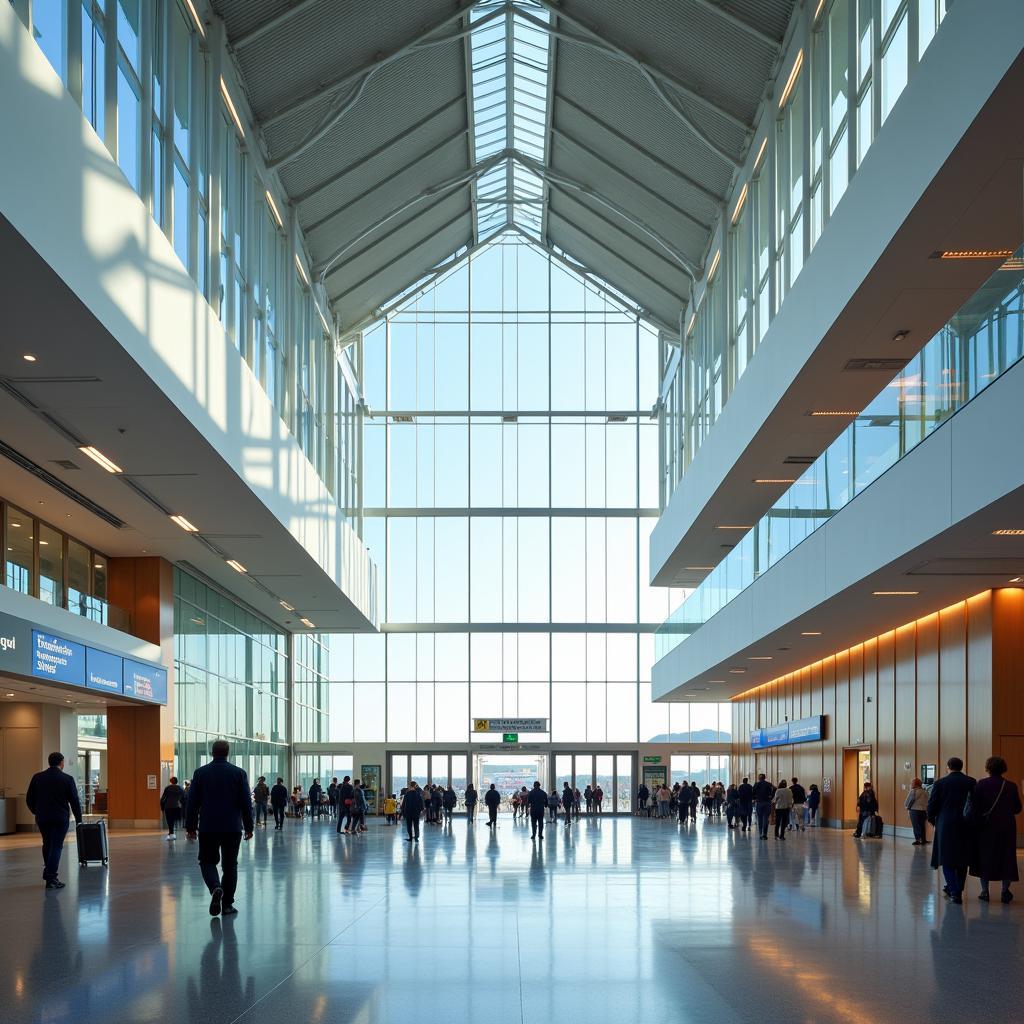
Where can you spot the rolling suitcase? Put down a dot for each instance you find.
(873, 827)
(92, 842)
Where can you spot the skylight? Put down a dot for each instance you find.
(509, 80)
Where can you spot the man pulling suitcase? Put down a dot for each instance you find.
(53, 797)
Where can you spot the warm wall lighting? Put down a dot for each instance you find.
(895, 593)
(286, 606)
(184, 524)
(308, 624)
(791, 81)
(740, 203)
(972, 254)
(1008, 533)
(714, 265)
(273, 208)
(231, 107)
(237, 566)
(1017, 579)
(775, 480)
(28, 357)
(195, 18)
(100, 459)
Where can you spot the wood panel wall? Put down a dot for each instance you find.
(947, 684)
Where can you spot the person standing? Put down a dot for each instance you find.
(952, 848)
(412, 808)
(694, 800)
(315, 794)
(345, 792)
(260, 794)
(493, 800)
(783, 803)
(813, 803)
(278, 802)
(171, 802)
(588, 796)
(448, 802)
(360, 806)
(598, 799)
(867, 805)
(731, 805)
(554, 800)
(472, 797)
(568, 801)
(52, 797)
(643, 794)
(763, 793)
(917, 806)
(995, 806)
(537, 801)
(745, 802)
(332, 797)
(435, 805)
(796, 818)
(219, 809)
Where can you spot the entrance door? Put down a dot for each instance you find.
(509, 773)
(614, 773)
(856, 771)
(441, 768)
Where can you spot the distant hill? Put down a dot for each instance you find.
(700, 736)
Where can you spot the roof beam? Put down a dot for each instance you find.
(746, 26)
(655, 77)
(355, 82)
(467, 57)
(273, 22)
(549, 121)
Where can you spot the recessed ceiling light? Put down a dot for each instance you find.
(236, 565)
(760, 657)
(184, 524)
(737, 671)
(308, 624)
(833, 412)
(716, 680)
(901, 336)
(733, 527)
(100, 459)
(811, 632)
(8, 694)
(895, 593)
(698, 568)
(44, 543)
(1008, 533)
(776, 480)
(972, 254)
(28, 357)
(286, 606)
(1017, 579)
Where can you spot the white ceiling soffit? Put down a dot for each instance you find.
(403, 133)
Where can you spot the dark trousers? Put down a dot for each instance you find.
(222, 848)
(764, 810)
(345, 817)
(492, 814)
(919, 819)
(334, 808)
(781, 821)
(412, 825)
(537, 822)
(745, 815)
(956, 879)
(53, 834)
(314, 809)
(261, 811)
(172, 814)
(279, 816)
(861, 818)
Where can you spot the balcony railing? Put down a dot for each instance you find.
(979, 344)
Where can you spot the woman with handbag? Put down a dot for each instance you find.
(917, 806)
(995, 805)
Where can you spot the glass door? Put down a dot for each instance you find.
(438, 768)
(614, 773)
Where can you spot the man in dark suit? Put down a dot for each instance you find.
(279, 801)
(53, 797)
(412, 808)
(745, 796)
(763, 792)
(315, 793)
(219, 806)
(952, 844)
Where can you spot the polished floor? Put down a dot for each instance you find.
(613, 920)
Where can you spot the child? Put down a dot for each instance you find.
(391, 810)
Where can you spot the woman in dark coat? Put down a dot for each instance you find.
(952, 841)
(996, 804)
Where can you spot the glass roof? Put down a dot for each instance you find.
(509, 83)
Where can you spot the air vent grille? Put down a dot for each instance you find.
(65, 464)
(892, 364)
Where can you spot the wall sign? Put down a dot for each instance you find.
(803, 730)
(652, 758)
(103, 671)
(58, 659)
(145, 682)
(509, 724)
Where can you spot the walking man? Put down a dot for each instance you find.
(412, 808)
(493, 800)
(954, 843)
(315, 794)
(261, 794)
(279, 801)
(172, 800)
(219, 807)
(745, 797)
(53, 797)
(345, 793)
(537, 800)
(764, 791)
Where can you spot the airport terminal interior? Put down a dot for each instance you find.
(555, 413)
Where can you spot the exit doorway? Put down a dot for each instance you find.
(509, 773)
(856, 771)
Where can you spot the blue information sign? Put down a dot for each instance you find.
(146, 682)
(103, 671)
(803, 730)
(58, 659)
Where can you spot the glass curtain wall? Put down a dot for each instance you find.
(510, 488)
(176, 132)
(231, 682)
(808, 144)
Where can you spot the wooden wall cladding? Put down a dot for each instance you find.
(946, 684)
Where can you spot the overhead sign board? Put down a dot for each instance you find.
(103, 671)
(510, 737)
(803, 730)
(58, 659)
(509, 725)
